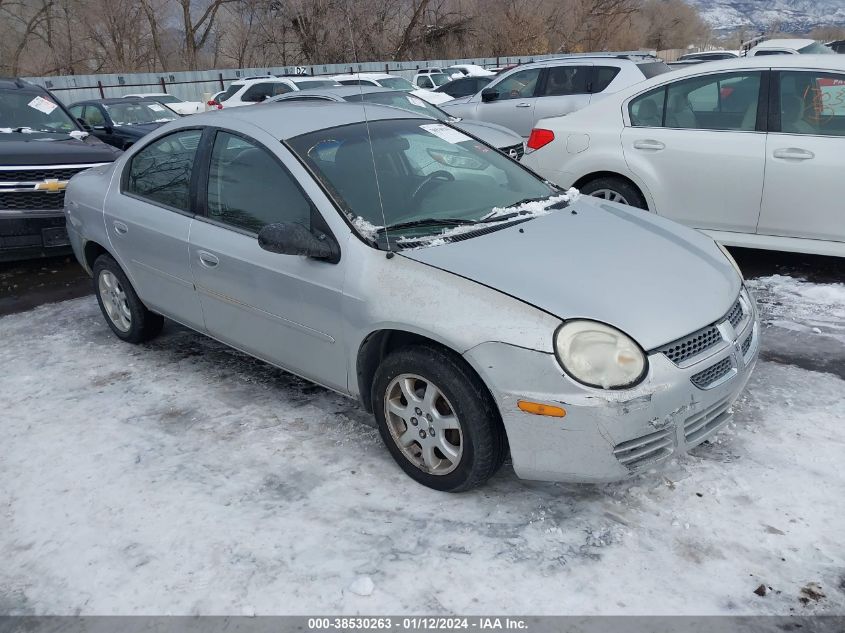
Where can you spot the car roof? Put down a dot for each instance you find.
(340, 92)
(609, 58)
(785, 43)
(260, 80)
(108, 101)
(375, 76)
(149, 94)
(298, 117)
(13, 83)
(816, 62)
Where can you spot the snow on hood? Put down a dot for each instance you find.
(651, 278)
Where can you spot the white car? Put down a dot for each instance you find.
(790, 47)
(174, 103)
(256, 89)
(430, 78)
(701, 146)
(391, 81)
(456, 71)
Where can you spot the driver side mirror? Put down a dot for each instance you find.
(489, 94)
(292, 238)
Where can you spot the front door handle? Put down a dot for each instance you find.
(523, 105)
(649, 144)
(793, 153)
(208, 260)
(120, 228)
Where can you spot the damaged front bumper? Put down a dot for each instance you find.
(610, 435)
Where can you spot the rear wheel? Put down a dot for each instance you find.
(437, 419)
(615, 190)
(127, 317)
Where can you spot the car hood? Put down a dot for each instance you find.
(490, 133)
(432, 97)
(653, 279)
(458, 101)
(54, 149)
(138, 130)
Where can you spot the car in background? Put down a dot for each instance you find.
(391, 81)
(41, 148)
(250, 91)
(465, 86)
(501, 138)
(430, 78)
(475, 309)
(121, 121)
(789, 47)
(704, 56)
(213, 102)
(751, 150)
(174, 103)
(518, 98)
(467, 70)
(837, 46)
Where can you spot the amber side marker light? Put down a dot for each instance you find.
(541, 409)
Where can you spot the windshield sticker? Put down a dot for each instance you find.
(415, 101)
(446, 133)
(42, 105)
(156, 107)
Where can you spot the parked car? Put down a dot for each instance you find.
(789, 47)
(249, 91)
(837, 46)
(703, 147)
(122, 121)
(174, 103)
(376, 257)
(214, 102)
(430, 78)
(41, 148)
(518, 98)
(467, 70)
(391, 81)
(464, 87)
(704, 56)
(499, 137)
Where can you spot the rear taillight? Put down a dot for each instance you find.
(540, 137)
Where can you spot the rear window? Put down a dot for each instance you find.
(604, 75)
(652, 69)
(816, 49)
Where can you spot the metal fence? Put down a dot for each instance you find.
(195, 85)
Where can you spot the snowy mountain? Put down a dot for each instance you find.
(792, 16)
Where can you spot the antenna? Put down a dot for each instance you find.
(369, 135)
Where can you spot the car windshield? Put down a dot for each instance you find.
(33, 111)
(652, 69)
(439, 78)
(232, 89)
(315, 83)
(816, 49)
(163, 98)
(139, 113)
(399, 99)
(416, 177)
(397, 83)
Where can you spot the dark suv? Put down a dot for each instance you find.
(41, 147)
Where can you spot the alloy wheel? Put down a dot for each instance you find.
(609, 194)
(423, 424)
(114, 300)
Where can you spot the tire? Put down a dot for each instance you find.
(479, 438)
(127, 317)
(608, 186)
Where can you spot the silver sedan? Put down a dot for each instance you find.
(475, 309)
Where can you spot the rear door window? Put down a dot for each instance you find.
(567, 80)
(161, 171)
(647, 110)
(812, 103)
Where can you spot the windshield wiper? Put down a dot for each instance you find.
(494, 216)
(426, 222)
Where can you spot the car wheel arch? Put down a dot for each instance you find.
(91, 251)
(379, 343)
(596, 175)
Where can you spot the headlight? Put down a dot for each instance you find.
(598, 355)
(731, 260)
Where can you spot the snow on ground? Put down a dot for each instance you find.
(181, 477)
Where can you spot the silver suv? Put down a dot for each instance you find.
(553, 87)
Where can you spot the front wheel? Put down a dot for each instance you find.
(437, 419)
(127, 317)
(615, 190)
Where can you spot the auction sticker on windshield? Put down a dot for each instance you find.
(415, 101)
(42, 105)
(156, 107)
(446, 133)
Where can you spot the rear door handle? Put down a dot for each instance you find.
(523, 105)
(208, 259)
(120, 228)
(793, 153)
(649, 145)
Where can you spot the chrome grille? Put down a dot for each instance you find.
(645, 449)
(746, 344)
(700, 425)
(519, 149)
(706, 378)
(700, 341)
